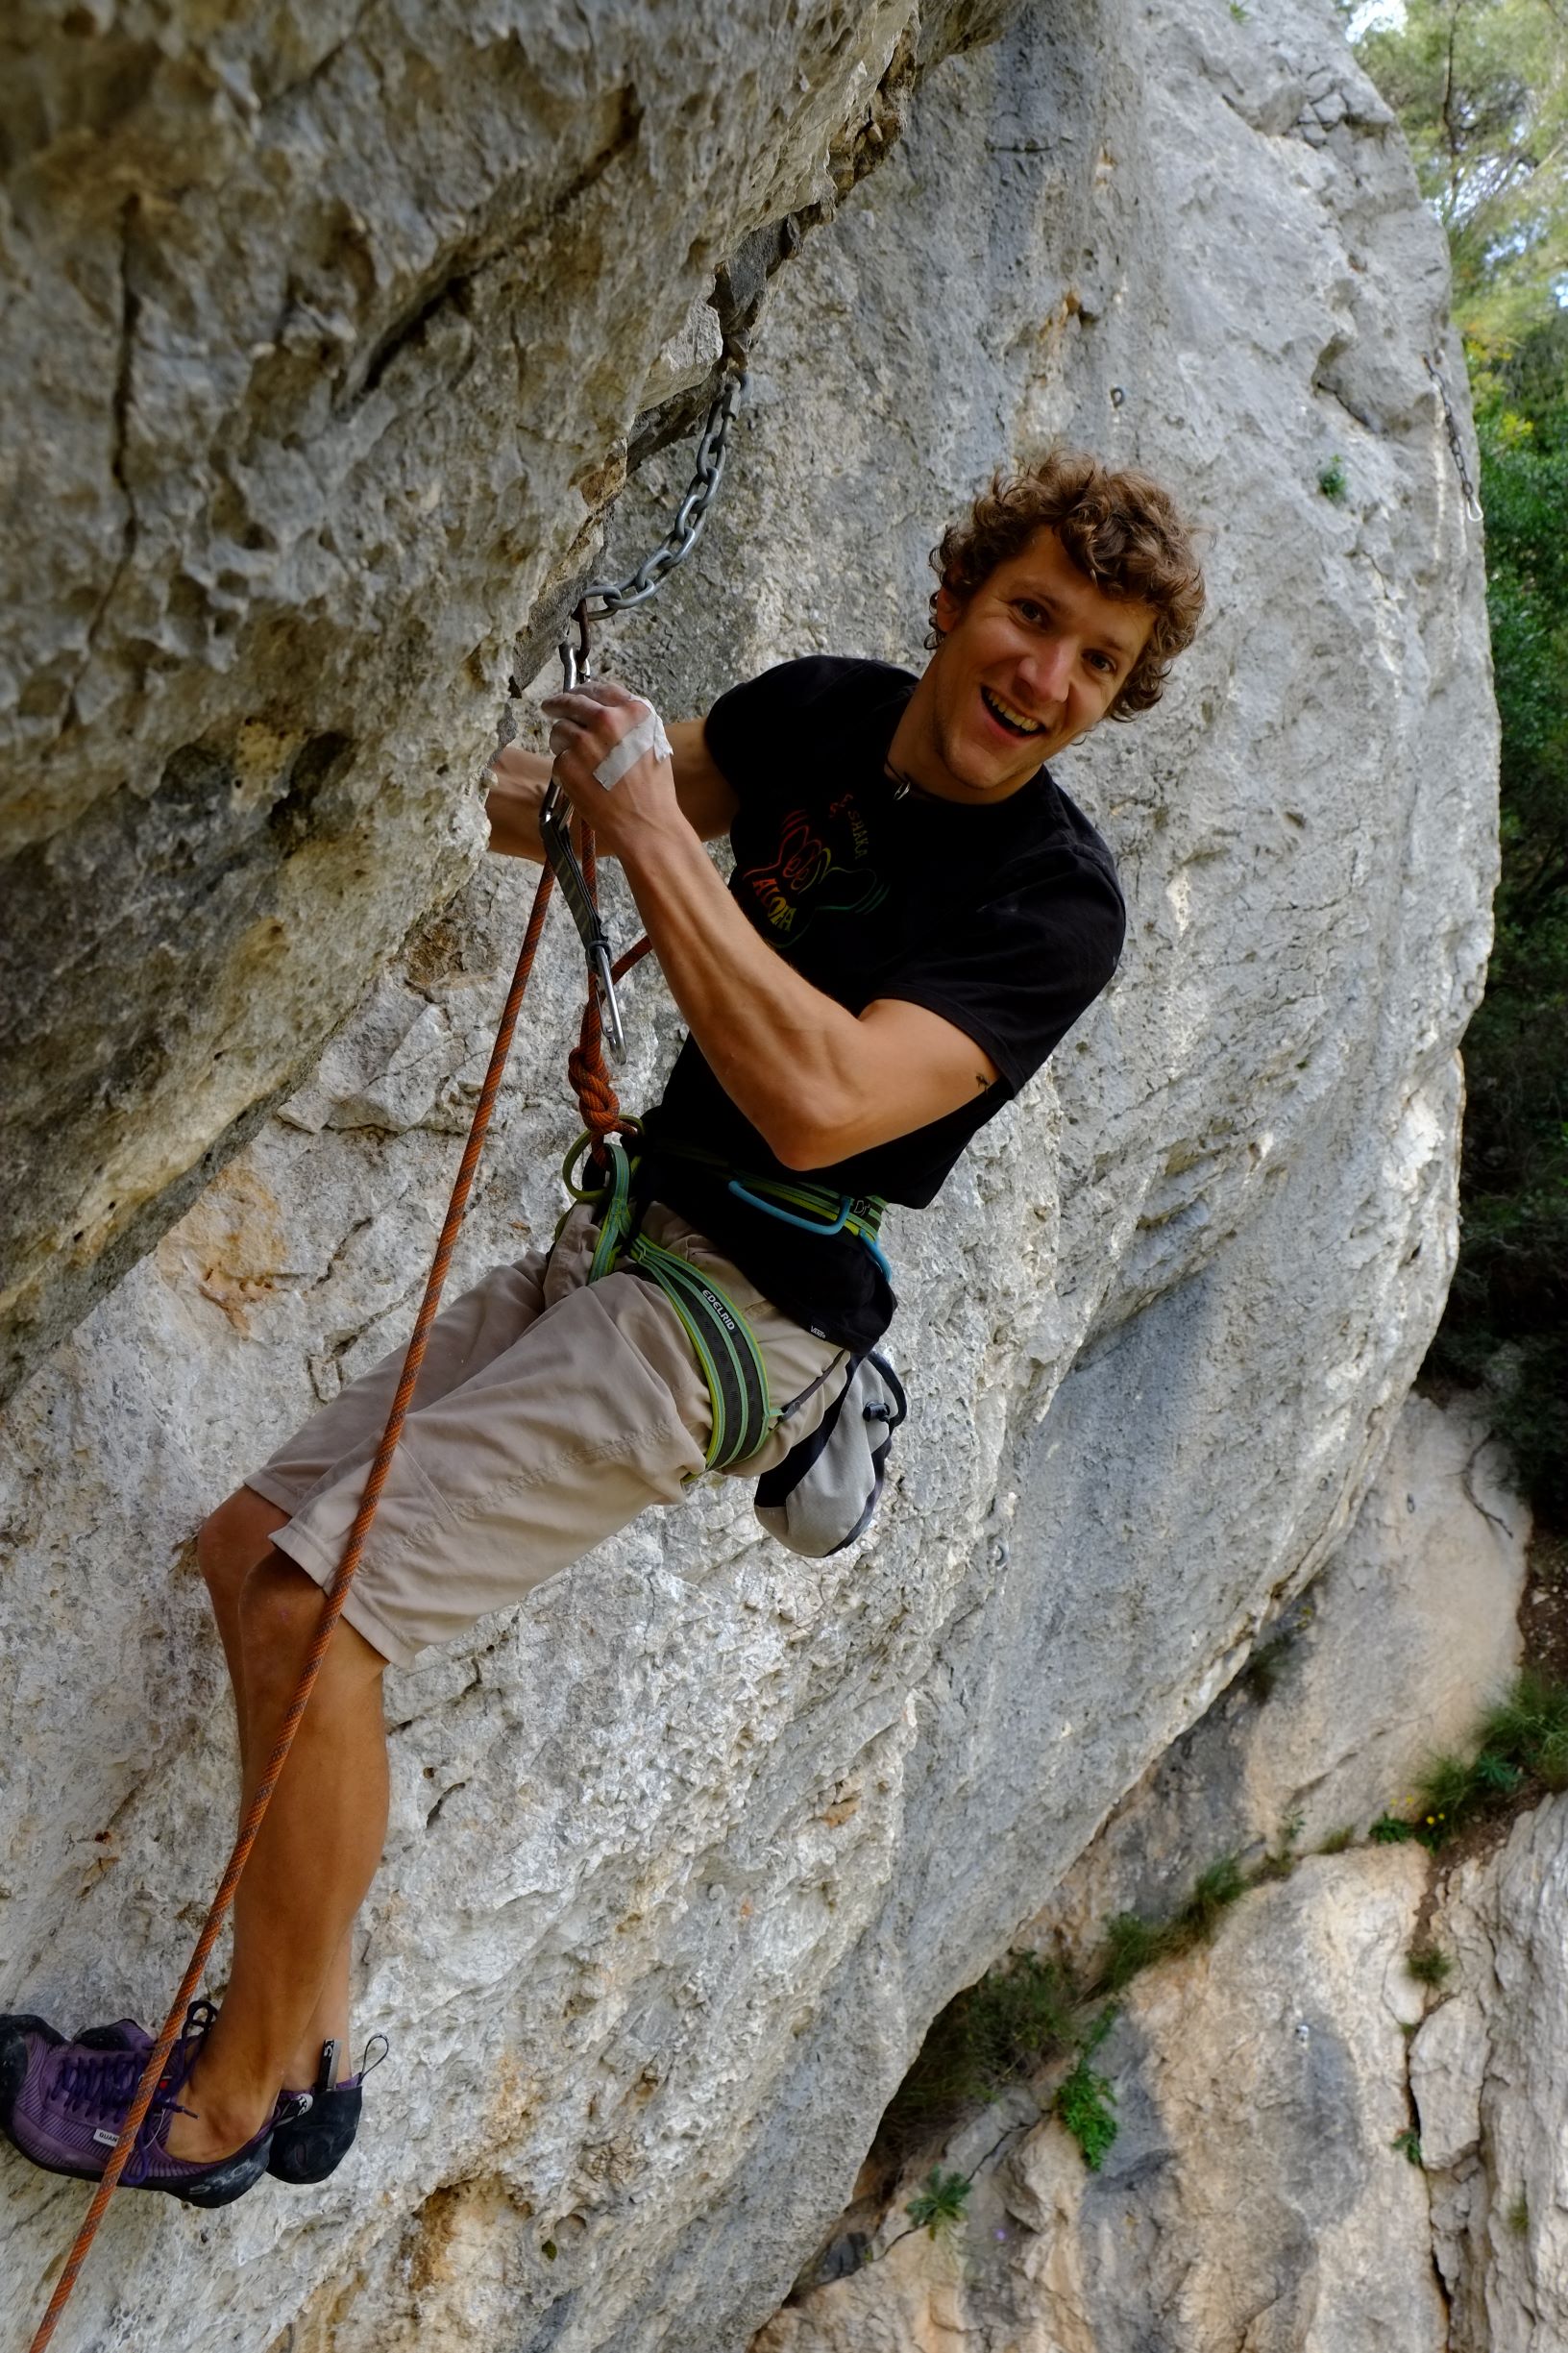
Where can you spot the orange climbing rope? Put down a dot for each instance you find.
(601, 1115)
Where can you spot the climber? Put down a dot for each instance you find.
(917, 915)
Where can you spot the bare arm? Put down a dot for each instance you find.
(818, 1082)
(512, 803)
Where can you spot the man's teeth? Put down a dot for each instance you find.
(1010, 718)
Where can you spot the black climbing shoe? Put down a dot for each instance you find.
(314, 2143)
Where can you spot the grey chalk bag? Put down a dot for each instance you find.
(825, 1491)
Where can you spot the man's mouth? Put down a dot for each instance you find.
(1016, 723)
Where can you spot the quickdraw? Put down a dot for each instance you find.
(598, 602)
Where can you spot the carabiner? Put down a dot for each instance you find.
(554, 832)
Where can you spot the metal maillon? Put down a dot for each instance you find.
(600, 602)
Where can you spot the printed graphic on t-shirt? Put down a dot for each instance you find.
(811, 875)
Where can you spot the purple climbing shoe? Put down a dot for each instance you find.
(62, 2105)
(315, 2141)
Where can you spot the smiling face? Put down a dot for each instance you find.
(1031, 661)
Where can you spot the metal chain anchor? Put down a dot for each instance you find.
(600, 602)
(1472, 503)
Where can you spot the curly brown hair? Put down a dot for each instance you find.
(1120, 529)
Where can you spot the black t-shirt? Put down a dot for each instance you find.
(1007, 921)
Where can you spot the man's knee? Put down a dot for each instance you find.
(232, 1539)
(279, 1614)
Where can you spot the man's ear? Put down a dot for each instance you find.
(945, 609)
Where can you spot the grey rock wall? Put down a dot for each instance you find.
(1258, 2194)
(323, 332)
(1251, 2201)
(1487, 2074)
(687, 1852)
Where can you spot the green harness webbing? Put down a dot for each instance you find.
(743, 1412)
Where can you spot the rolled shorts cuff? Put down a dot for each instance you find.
(308, 1554)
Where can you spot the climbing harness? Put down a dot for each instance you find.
(826, 1213)
(1472, 503)
(573, 859)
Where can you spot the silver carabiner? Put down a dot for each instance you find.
(554, 832)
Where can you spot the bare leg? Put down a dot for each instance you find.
(234, 1540)
(311, 1863)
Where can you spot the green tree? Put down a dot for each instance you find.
(1480, 88)
(1507, 1313)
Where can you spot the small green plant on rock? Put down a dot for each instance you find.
(1389, 1832)
(1529, 1730)
(1518, 2216)
(1444, 1794)
(1281, 1861)
(1133, 1944)
(991, 2035)
(1408, 2143)
(1084, 2105)
(941, 2203)
(1085, 2098)
(1331, 480)
(1338, 1840)
(1213, 1891)
(1430, 1964)
(1260, 1675)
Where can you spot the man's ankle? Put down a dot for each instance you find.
(316, 2067)
(218, 2120)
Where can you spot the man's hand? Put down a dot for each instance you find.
(640, 805)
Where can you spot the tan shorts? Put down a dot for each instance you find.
(548, 1414)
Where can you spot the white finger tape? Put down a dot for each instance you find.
(648, 735)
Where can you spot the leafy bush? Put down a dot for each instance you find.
(1084, 2105)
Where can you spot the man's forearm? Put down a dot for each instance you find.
(786, 1055)
(512, 802)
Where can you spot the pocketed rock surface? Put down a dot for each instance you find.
(326, 326)
(687, 1852)
(1487, 2071)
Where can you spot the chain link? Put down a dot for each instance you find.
(1472, 503)
(604, 598)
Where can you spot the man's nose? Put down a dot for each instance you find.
(1046, 672)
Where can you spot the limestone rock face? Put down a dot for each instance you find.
(687, 1852)
(325, 328)
(1390, 1656)
(1487, 2071)
(1251, 2198)
(1254, 2195)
